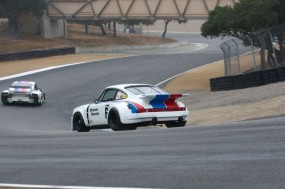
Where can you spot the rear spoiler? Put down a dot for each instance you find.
(162, 96)
(159, 103)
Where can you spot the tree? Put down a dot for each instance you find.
(86, 23)
(244, 18)
(2, 13)
(131, 23)
(13, 9)
(166, 22)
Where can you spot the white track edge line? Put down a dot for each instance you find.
(60, 187)
(55, 67)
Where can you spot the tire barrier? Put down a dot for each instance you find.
(222, 83)
(270, 76)
(281, 73)
(239, 81)
(252, 79)
(36, 54)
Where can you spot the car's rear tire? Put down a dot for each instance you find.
(78, 123)
(114, 120)
(40, 102)
(171, 124)
(130, 127)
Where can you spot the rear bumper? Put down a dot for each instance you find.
(160, 117)
(21, 100)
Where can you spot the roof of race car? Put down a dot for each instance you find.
(123, 86)
(23, 83)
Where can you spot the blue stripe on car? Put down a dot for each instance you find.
(158, 101)
(132, 107)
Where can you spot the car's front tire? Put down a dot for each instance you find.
(78, 123)
(171, 124)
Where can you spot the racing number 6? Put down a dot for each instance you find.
(106, 111)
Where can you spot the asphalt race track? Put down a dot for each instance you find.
(38, 147)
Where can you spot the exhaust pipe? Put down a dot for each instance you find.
(154, 121)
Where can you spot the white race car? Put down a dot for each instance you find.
(125, 107)
(23, 92)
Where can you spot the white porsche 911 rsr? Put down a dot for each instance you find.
(26, 92)
(125, 107)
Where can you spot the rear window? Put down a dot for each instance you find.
(141, 90)
(23, 87)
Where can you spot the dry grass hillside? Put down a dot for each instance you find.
(76, 37)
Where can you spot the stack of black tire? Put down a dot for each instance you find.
(281, 73)
(246, 80)
(222, 83)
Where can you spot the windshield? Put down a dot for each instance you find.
(143, 90)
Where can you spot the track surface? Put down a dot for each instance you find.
(37, 146)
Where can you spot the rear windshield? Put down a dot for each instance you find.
(140, 90)
(24, 87)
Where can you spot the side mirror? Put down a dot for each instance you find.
(96, 101)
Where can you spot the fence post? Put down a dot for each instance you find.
(227, 58)
(237, 52)
(273, 49)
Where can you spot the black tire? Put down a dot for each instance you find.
(42, 100)
(4, 99)
(114, 121)
(171, 124)
(5, 103)
(78, 123)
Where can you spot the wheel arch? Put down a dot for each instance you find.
(79, 113)
(121, 108)
(112, 109)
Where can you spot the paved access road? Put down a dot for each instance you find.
(37, 146)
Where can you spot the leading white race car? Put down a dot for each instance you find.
(26, 92)
(124, 107)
